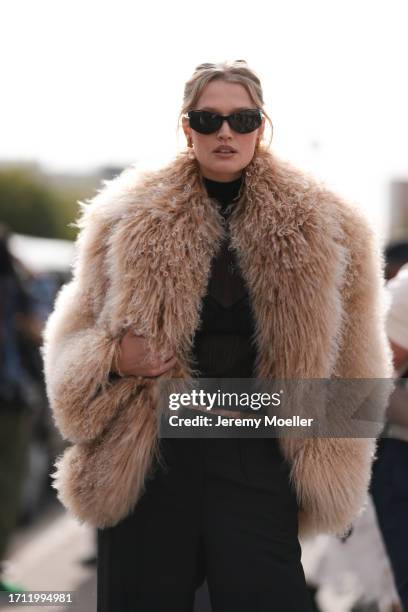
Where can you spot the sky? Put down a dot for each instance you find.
(88, 83)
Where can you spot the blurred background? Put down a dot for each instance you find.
(90, 87)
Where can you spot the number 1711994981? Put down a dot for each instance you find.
(32, 598)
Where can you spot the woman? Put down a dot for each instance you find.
(157, 293)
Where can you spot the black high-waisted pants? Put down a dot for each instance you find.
(221, 510)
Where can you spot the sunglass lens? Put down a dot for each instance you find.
(204, 121)
(246, 121)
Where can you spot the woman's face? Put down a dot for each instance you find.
(223, 98)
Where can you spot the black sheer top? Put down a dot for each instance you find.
(223, 343)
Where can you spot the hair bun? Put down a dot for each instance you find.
(204, 66)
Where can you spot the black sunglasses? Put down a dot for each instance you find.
(243, 122)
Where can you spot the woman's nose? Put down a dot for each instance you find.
(225, 129)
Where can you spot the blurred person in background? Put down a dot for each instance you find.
(389, 485)
(18, 394)
(396, 255)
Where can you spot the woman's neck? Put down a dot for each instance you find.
(223, 191)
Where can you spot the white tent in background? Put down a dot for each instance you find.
(42, 255)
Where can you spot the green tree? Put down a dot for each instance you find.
(41, 205)
(27, 205)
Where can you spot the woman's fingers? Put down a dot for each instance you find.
(154, 361)
(161, 369)
(137, 359)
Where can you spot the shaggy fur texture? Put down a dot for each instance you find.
(143, 261)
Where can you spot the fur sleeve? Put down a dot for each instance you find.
(364, 349)
(331, 501)
(78, 351)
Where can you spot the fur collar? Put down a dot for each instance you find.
(162, 231)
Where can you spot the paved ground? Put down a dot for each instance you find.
(47, 555)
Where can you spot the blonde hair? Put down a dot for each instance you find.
(236, 71)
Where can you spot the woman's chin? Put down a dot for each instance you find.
(224, 169)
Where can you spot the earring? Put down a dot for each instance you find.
(190, 152)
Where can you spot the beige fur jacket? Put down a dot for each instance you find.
(143, 260)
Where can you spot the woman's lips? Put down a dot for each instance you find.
(225, 154)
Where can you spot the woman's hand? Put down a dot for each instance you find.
(135, 359)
